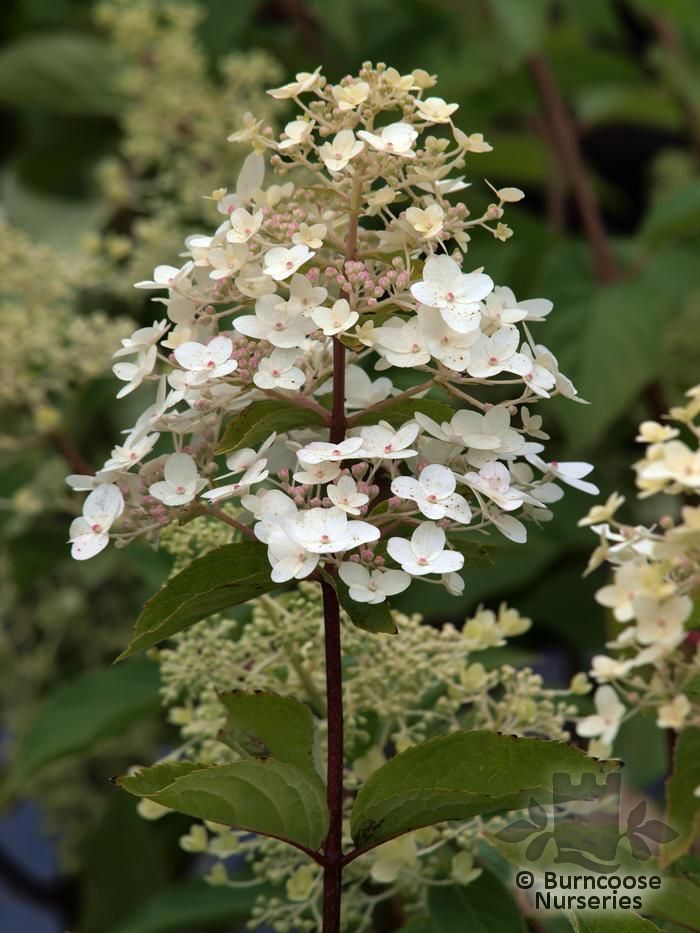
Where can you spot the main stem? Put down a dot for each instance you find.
(333, 845)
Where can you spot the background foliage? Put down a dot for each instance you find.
(113, 119)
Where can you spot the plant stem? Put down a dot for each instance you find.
(565, 140)
(333, 846)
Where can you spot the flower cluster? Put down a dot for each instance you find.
(301, 289)
(394, 699)
(172, 145)
(656, 576)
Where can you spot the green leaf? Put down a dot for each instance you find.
(676, 213)
(475, 554)
(608, 344)
(194, 905)
(398, 413)
(370, 618)
(612, 923)
(225, 577)
(677, 901)
(521, 25)
(59, 72)
(459, 776)
(267, 725)
(255, 424)
(79, 713)
(259, 796)
(682, 806)
(484, 906)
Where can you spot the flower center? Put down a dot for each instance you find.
(423, 561)
(493, 360)
(450, 296)
(180, 490)
(97, 529)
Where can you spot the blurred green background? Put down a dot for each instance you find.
(113, 121)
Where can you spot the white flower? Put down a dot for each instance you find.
(289, 559)
(360, 390)
(489, 432)
(335, 320)
(497, 354)
(323, 451)
(279, 263)
(134, 373)
(255, 472)
(274, 322)
(604, 668)
(397, 139)
(166, 276)
(372, 587)
(381, 441)
(297, 133)
(435, 109)
(182, 481)
(345, 496)
(350, 96)
(571, 473)
(344, 147)
(312, 236)
(131, 452)
(434, 493)
(243, 225)
(326, 531)
(540, 378)
(448, 346)
(427, 222)
(90, 534)
(277, 371)
(207, 361)
(661, 620)
(493, 480)
(305, 81)
(227, 260)
(304, 297)
(318, 473)
(509, 526)
(142, 339)
(604, 724)
(672, 715)
(425, 552)
(502, 307)
(271, 508)
(444, 286)
(401, 343)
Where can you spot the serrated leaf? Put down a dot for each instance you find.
(79, 713)
(228, 576)
(682, 806)
(459, 776)
(259, 796)
(370, 618)
(267, 725)
(254, 424)
(484, 906)
(58, 72)
(398, 413)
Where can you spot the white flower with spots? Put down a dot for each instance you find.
(181, 481)
(372, 586)
(453, 293)
(434, 493)
(89, 534)
(425, 553)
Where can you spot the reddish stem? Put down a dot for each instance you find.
(565, 141)
(333, 845)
